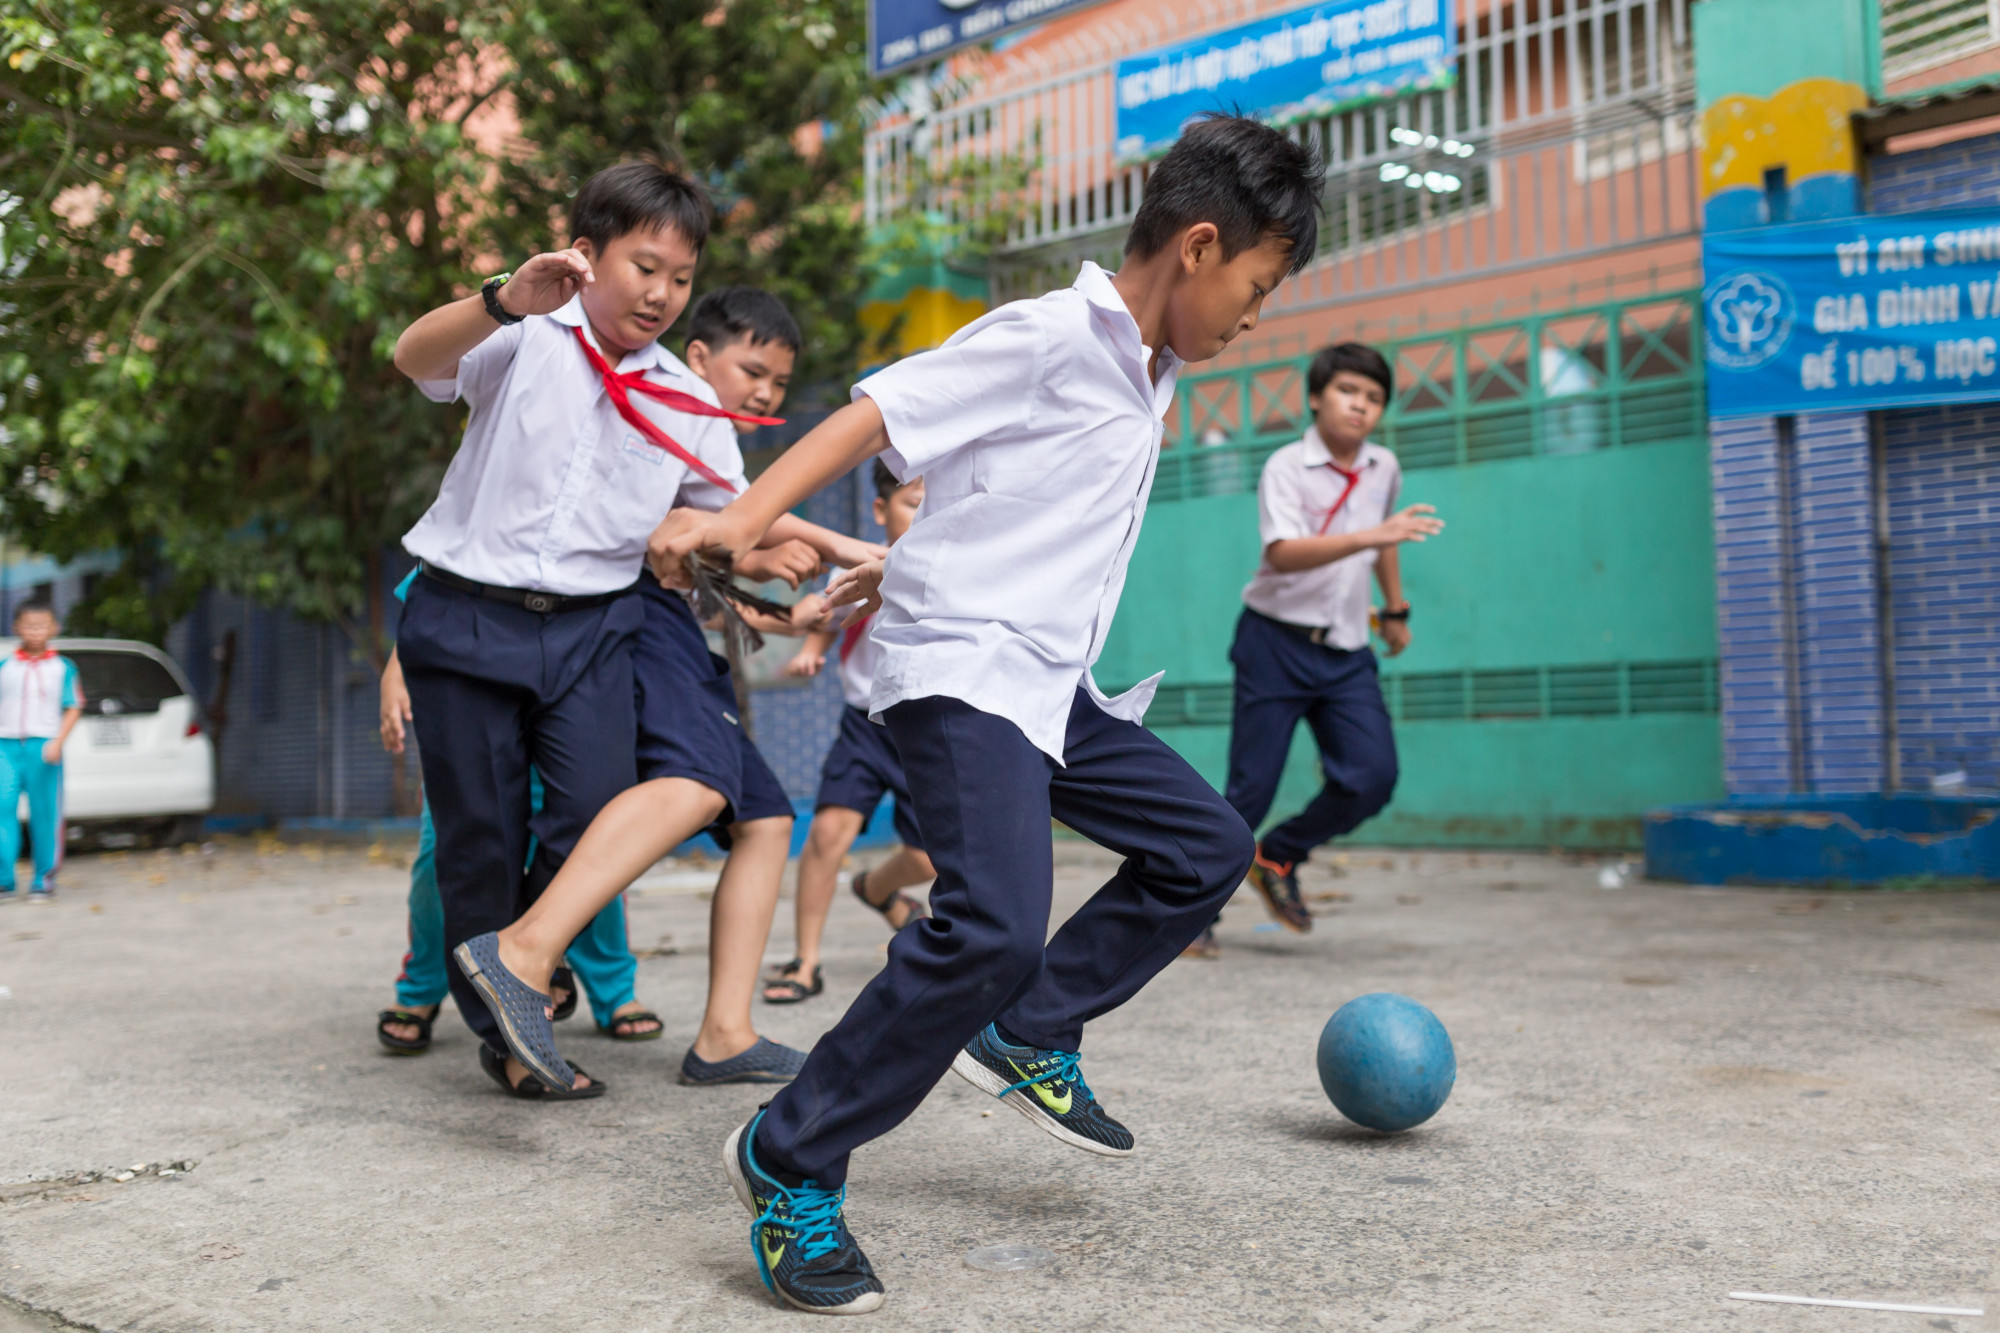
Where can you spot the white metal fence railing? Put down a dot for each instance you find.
(1566, 131)
(1917, 34)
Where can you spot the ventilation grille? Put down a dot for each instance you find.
(1615, 689)
(1917, 34)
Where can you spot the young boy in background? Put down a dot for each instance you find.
(857, 773)
(40, 701)
(1325, 513)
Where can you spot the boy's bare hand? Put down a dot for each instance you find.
(792, 561)
(545, 283)
(859, 587)
(395, 706)
(685, 531)
(805, 662)
(853, 551)
(1395, 636)
(1411, 525)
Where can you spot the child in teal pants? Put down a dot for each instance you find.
(601, 958)
(40, 702)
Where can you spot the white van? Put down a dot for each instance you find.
(139, 764)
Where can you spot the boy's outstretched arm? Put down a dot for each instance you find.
(430, 348)
(849, 437)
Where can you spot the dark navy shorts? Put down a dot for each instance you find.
(688, 727)
(860, 768)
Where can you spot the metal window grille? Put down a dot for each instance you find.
(1604, 376)
(1566, 130)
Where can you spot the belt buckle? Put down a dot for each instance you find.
(540, 603)
(1318, 637)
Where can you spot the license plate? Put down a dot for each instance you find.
(109, 732)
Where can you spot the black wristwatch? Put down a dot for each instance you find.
(1403, 614)
(489, 291)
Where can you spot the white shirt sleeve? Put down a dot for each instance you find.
(981, 382)
(716, 445)
(1281, 511)
(480, 371)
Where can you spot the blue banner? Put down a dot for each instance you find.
(1304, 63)
(914, 32)
(1861, 312)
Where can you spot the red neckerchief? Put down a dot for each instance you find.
(1353, 480)
(620, 388)
(850, 638)
(27, 656)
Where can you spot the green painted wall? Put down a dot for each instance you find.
(1554, 561)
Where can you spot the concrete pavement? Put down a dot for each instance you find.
(1664, 1095)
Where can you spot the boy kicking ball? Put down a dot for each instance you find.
(1037, 431)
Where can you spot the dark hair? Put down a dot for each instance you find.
(32, 606)
(886, 484)
(725, 314)
(1357, 357)
(638, 196)
(1248, 179)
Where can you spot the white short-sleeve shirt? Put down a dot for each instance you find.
(552, 489)
(1036, 430)
(1296, 498)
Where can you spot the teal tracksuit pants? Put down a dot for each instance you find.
(601, 957)
(22, 770)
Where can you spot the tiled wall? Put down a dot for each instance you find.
(1944, 580)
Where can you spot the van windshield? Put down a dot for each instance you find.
(130, 682)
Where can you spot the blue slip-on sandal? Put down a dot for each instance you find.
(521, 1011)
(765, 1062)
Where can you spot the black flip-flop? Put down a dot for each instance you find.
(919, 909)
(530, 1088)
(404, 1017)
(563, 979)
(792, 990)
(636, 1016)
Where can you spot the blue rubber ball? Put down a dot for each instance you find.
(1386, 1062)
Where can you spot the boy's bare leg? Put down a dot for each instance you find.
(639, 826)
(739, 925)
(906, 868)
(834, 829)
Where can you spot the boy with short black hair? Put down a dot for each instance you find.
(40, 701)
(860, 769)
(517, 639)
(1325, 507)
(1037, 431)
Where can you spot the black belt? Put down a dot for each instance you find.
(541, 603)
(1312, 634)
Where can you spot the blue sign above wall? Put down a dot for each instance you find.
(902, 33)
(1308, 62)
(1862, 312)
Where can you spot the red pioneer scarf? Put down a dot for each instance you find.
(620, 388)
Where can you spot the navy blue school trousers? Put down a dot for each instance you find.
(1281, 677)
(984, 796)
(494, 689)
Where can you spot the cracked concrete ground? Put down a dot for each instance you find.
(1665, 1095)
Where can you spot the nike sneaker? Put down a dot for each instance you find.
(1047, 1087)
(1277, 882)
(804, 1251)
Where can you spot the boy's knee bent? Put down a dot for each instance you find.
(1377, 786)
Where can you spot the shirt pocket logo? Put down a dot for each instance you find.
(641, 449)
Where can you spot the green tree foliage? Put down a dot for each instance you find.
(217, 217)
(760, 99)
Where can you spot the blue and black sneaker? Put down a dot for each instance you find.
(1047, 1087)
(804, 1251)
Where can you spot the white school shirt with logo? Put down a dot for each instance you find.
(1298, 487)
(857, 669)
(1036, 431)
(34, 692)
(551, 489)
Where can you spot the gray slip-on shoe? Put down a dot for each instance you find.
(765, 1062)
(521, 1011)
